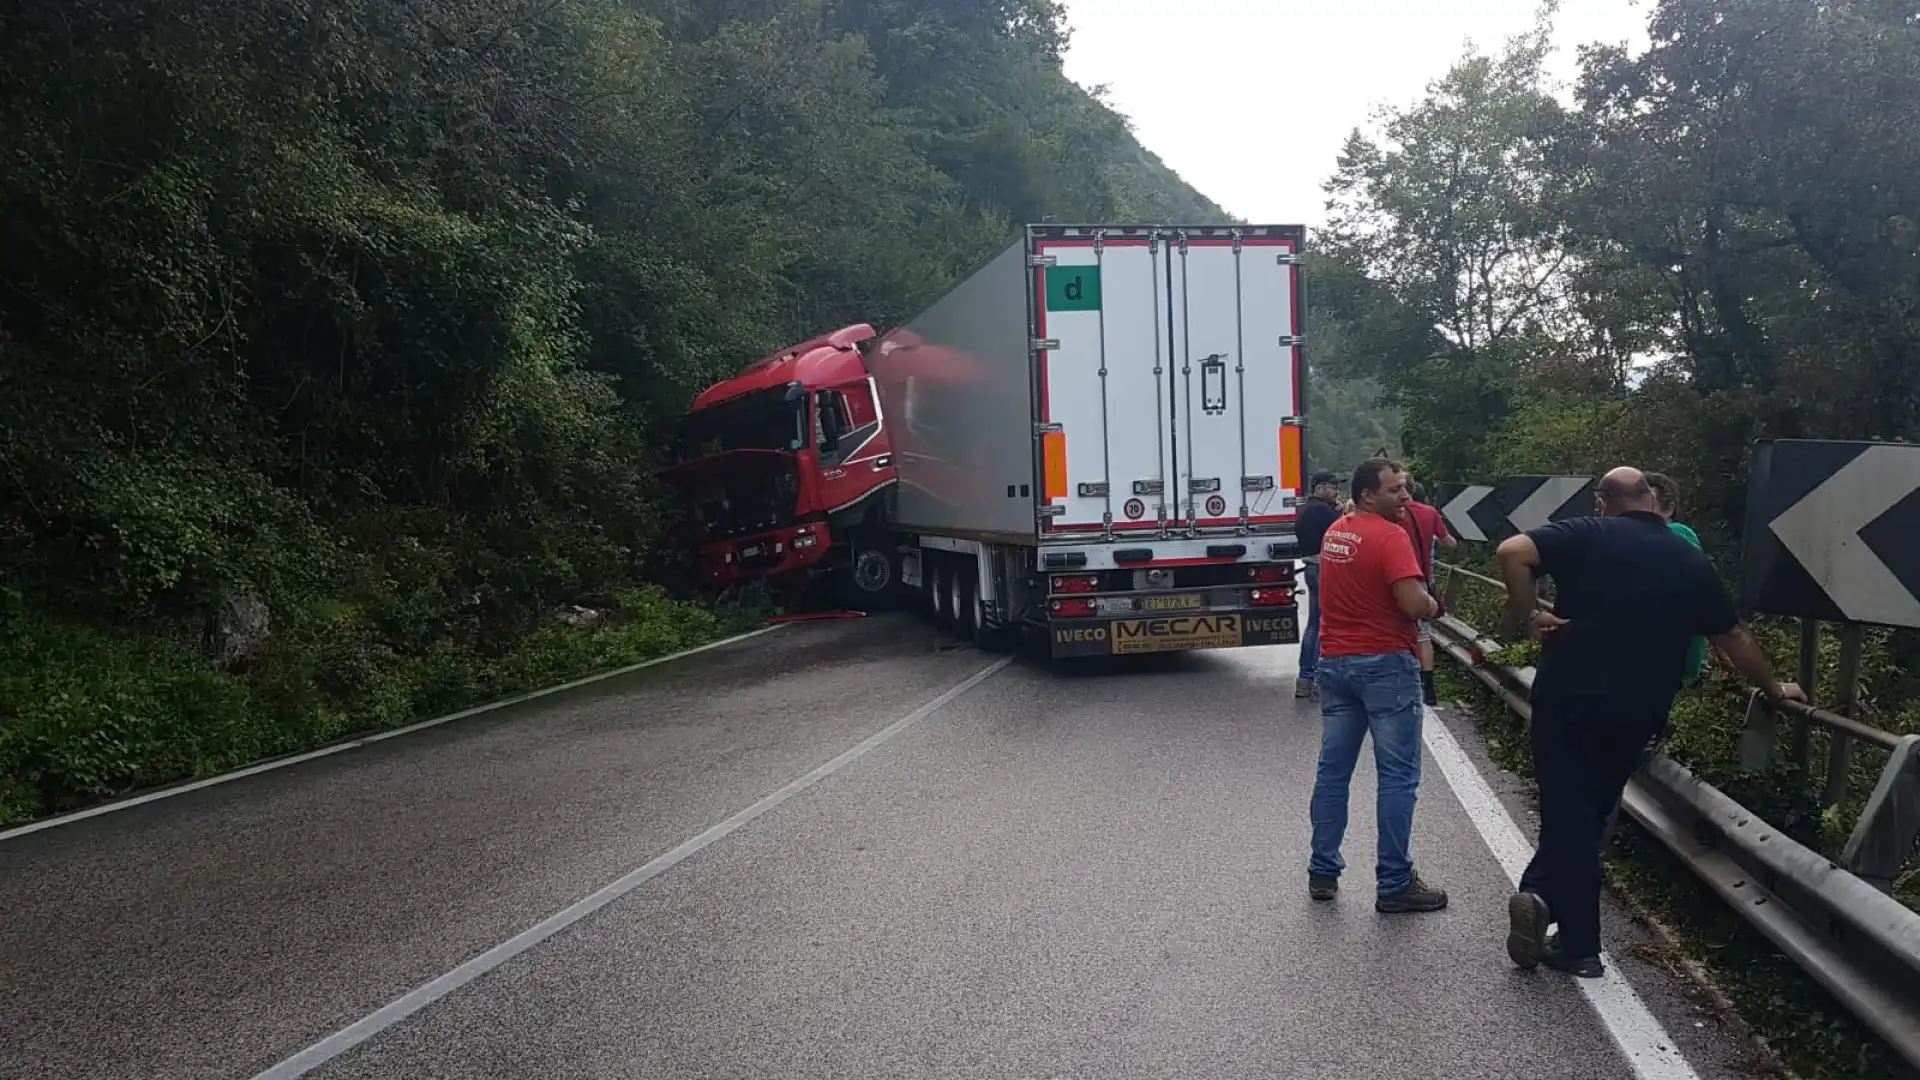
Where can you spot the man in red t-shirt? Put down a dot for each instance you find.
(1428, 530)
(1373, 592)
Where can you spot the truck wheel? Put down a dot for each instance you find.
(941, 583)
(871, 578)
(966, 602)
(987, 637)
(927, 598)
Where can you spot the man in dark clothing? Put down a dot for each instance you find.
(1317, 514)
(1631, 597)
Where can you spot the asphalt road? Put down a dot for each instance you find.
(1093, 871)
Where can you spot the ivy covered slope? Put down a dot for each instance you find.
(338, 340)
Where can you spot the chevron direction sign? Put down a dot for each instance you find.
(1533, 501)
(1469, 513)
(1833, 531)
(1491, 512)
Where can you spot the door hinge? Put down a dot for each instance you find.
(1043, 260)
(1292, 341)
(1204, 485)
(1287, 258)
(1048, 429)
(1256, 483)
(1049, 511)
(1147, 487)
(1293, 421)
(1045, 344)
(1093, 491)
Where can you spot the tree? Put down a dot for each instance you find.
(1444, 217)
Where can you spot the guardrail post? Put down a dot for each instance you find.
(1809, 681)
(1760, 735)
(1888, 832)
(1847, 693)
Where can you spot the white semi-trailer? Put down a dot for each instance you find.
(1099, 433)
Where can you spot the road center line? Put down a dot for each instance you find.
(1645, 1043)
(422, 996)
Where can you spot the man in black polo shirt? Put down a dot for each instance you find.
(1631, 596)
(1317, 515)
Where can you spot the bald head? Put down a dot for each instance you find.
(1625, 490)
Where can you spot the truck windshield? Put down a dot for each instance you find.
(762, 420)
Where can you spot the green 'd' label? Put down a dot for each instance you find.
(1073, 288)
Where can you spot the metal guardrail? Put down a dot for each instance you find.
(1859, 943)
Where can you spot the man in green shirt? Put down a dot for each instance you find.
(1666, 494)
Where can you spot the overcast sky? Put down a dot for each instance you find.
(1250, 100)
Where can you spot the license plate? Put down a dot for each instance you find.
(1170, 603)
(1175, 633)
(750, 551)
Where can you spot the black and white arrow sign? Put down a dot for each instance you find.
(1461, 505)
(1533, 501)
(1833, 532)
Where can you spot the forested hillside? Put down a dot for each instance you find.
(337, 337)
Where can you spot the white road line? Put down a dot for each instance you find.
(281, 763)
(1645, 1043)
(420, 997)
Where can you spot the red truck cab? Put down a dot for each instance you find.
(789, 467)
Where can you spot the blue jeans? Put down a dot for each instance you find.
(1361, 695)
(1310, 637)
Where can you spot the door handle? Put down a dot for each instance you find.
(1213, 384)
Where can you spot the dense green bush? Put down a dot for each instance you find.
(91, 714)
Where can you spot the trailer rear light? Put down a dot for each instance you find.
(1071, 609)
(1272, 597)
(804, 542)
(1076, 584)
(1268, 573)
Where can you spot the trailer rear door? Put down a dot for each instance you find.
(1169, 377)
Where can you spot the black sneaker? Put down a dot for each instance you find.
(1323, 886)
(1527, 922)
(1417, 897)
(1580, 967)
